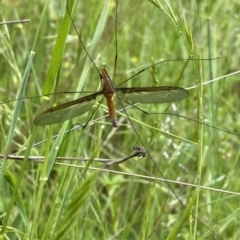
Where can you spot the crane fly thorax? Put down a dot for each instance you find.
(107, 85)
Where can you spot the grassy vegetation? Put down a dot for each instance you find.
(87, 200)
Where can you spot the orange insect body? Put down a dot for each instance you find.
(108, 91)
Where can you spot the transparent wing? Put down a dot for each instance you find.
(153, 94)
(66, 111)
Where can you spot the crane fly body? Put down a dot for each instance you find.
(108, 90)
(72, 109)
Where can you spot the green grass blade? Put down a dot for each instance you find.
(16, 112)
(98, 32)
(58, 50)
(79, 200)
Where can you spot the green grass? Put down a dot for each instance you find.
(79, 200)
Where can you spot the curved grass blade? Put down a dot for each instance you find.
(58, 50)
(9, 141)
(16, 112)
(98, 32)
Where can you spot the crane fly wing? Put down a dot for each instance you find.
(153, 94)
(80, 106)
(66, 111)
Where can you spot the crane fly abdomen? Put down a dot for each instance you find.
(108, 91)
(112, 110)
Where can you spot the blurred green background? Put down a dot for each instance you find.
(77, 202)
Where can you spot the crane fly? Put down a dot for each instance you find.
(72, 109)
